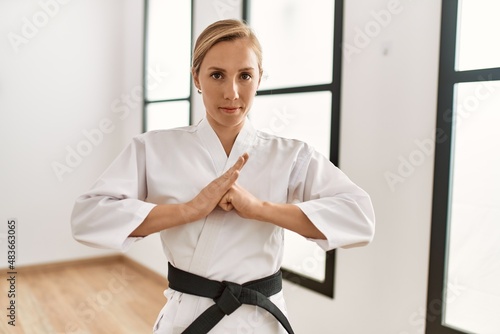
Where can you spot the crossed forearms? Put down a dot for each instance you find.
(225, 193)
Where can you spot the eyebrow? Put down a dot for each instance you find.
(214, 68)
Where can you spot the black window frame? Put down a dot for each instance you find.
(448, 77)
(325, 287)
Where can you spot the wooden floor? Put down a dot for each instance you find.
(109, 295)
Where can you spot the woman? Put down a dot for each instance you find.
(221, 194)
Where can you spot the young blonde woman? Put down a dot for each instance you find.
(221, 193)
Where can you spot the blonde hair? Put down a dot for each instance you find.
(224, 30)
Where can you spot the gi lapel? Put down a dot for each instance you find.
(211, 142)
(203, 253)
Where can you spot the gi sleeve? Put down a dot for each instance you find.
(105, 216)
(340, 209)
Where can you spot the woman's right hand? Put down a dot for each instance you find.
(164, 216)
(209, 197)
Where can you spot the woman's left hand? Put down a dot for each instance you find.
(244, 203)
(284, 215)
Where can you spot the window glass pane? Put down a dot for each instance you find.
(478, 42)
(297, 41)
(166, 115)
(303, 257)
(168, 49)
(472, 296)
(304, 116)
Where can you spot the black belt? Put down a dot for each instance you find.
(228, 296)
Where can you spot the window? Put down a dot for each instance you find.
(464, 266)
(299, 97)
(300, 89)
(167, 96)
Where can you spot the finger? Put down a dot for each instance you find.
(225, 203)
(218, 187)
(227, 180)
(226, 206)
(242, 160)
(232, 173)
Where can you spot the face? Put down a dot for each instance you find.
(228, 78)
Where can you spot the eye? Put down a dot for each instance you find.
(216, 75)
(246, 76)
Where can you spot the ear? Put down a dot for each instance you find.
(196, 79)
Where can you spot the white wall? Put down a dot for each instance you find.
(65, 76)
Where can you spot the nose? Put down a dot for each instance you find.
(231, 90)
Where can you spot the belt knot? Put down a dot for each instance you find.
(229, 301)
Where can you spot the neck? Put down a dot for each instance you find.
(226, 134)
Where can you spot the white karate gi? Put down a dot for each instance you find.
(172, 166)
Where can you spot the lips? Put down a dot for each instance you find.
(229, 109)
